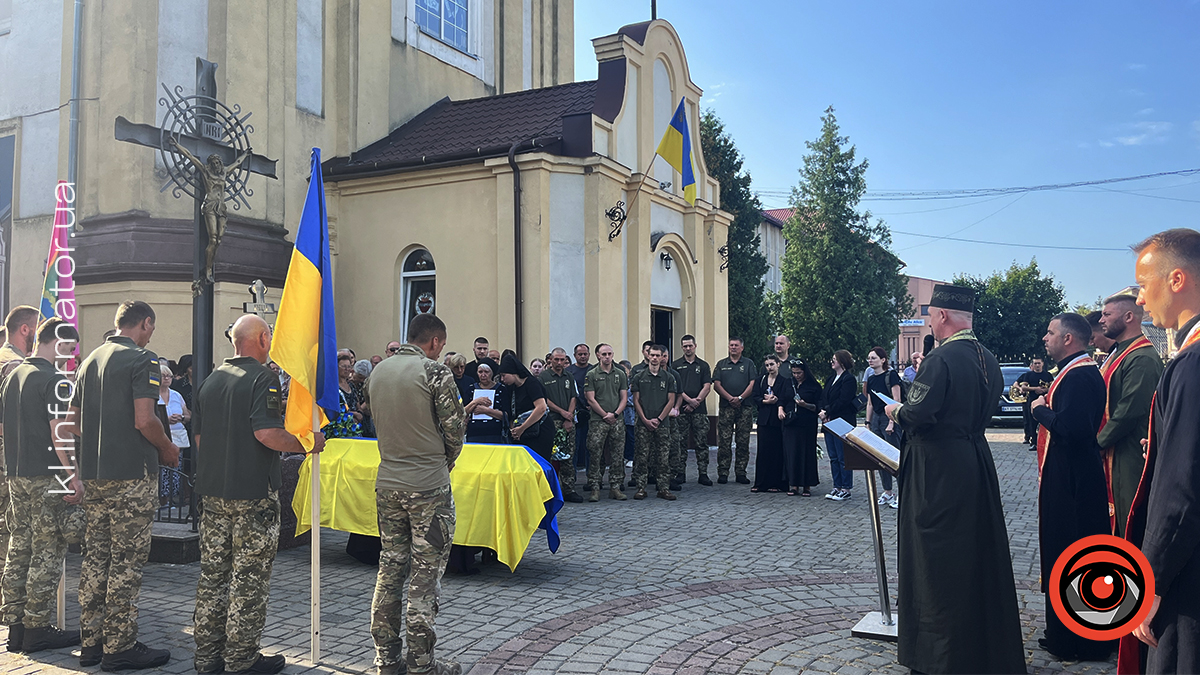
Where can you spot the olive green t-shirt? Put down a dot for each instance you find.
(607, 388)
(28, 401)
(692, 378)
(653, 390)
(239, 398)
(734, 377)
(560, 389)
(106, 384)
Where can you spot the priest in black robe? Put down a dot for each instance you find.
(1164, 520)
(1072, 491)
(956, 598)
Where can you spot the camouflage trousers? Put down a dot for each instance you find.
(36, 551)
(732, 422)
(116, 546)
(693, 432)
(652, 451)
(416, 530)
(564, 444)
(238, 541)
(611, 437)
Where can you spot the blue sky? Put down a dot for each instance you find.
(954, 95)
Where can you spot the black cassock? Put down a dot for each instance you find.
(1166, 526)
(957, 600)
(1072, 494)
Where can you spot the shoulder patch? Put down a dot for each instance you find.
(917, 392)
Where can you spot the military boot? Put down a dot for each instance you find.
(704, 479)
(393, 669)
(90, 656)
(616, 494)
(666, 494)
(265, 665)
(137, 657)
(16, 637)
(595, 496)
(48, 637)
(640, 494)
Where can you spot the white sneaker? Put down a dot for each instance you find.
(894, 502)
(833, 493)
(841, 496)
(883, 499)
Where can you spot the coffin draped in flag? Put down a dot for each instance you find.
(305, 340)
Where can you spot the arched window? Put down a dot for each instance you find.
(417, 279)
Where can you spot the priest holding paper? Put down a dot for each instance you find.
(957, 599)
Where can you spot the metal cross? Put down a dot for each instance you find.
(260, 306)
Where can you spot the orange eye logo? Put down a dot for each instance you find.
(1101, 587)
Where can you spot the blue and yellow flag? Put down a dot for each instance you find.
(305, 341)
(676, 148)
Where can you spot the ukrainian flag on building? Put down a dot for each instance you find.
(305, 341)
(676, 148)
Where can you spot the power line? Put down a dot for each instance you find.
(967, 227)
(1005, 243)
(916, 195)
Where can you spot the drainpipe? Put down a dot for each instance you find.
(512, 162)
(73, 137)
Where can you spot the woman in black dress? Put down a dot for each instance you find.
(800, 432)
(774, 397)
(527, 396)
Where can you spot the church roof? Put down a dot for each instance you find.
(474, 129)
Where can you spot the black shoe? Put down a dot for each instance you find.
(16, 638)
(137, 657)
(704, 479)
(573, 497)
(47, 637)
(266, 665)
(722, 479)
(675, 486)
(680, 478)
(1061, 653)
(743, 480)
(214, 669)
(90, 656)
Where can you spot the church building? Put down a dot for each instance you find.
(466, 172)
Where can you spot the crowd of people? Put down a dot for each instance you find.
(1115, 431)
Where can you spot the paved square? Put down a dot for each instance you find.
(720, 581)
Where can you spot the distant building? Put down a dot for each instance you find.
(772, 244)
(914, 329)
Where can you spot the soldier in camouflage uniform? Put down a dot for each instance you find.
(695, 383)
(20, 328)
(653, 399)
(238, 426)
(420, 423)
(30, 398)
(605, 388)
(561, 397)
(733, 378)
(678, 456)
(117, 384)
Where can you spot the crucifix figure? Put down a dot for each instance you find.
(213, 174)
(260, 306)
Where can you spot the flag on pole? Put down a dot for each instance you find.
(676, 148)
(305, 340)
(58, 285)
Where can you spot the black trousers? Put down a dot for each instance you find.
(1031, 425)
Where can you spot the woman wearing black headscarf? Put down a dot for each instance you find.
(526, 395)
(800, 432)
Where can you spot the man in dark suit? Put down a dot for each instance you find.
(1073, 495)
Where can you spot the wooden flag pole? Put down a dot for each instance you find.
(315, 542)
(641, 183)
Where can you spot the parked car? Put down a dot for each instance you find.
(1008, 410)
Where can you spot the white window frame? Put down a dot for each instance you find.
(442, 23)
(406, 284)
(475, 61)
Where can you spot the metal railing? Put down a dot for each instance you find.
(177, 494)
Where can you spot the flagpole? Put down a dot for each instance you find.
(315, 542)
(642, 182)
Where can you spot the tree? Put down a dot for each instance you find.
(842, 285)
(1013, 309)
(749, 317)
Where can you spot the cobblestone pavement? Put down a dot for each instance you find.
(720, 581)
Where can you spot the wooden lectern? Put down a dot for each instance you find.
(867, 452)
